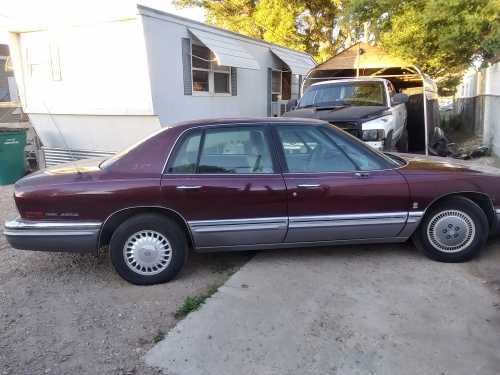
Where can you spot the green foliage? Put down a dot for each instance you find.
(160, 335)
(443, 37)
(193, 303)
(299, 24)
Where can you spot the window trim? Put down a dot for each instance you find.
(211, 70)
(280, 92)
(277, 170)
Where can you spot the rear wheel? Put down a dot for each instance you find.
(148, 249)
(455, 230)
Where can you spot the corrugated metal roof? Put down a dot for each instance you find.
(228, 51)
(298, 63)
(369, 57)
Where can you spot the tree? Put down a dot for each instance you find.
(300, 24)
(443, 37)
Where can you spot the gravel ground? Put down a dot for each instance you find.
(72, 314)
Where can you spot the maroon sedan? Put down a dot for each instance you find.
(241, 184)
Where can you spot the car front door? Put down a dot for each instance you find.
(337, 188)
(223, 181)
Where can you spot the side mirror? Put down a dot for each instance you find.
(292, 103)
(399, 99)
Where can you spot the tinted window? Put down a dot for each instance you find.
(308, 149)
(186, 155)
(237, 150)
(364, 158)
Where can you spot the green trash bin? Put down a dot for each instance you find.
(12, 158)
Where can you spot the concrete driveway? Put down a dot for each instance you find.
(382, 309)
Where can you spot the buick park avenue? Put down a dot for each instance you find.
(247, 184)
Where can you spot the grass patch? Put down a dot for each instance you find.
(158, 337)
(193, 303)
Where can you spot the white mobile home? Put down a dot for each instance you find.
(94, 88)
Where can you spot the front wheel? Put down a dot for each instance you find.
(148, 249)
(455, 230)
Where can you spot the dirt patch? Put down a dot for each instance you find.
(487, 266)
(72, 314)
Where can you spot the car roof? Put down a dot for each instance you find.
(247, 120)
(367, 79)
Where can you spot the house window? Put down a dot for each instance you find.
(281, 85)
(209, 77)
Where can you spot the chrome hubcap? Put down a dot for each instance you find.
(147, 252)
(451, 231)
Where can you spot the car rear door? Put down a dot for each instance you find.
(223, 180)
(337, 188)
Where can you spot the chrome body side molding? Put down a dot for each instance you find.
(345, 227)
(234, 232)
(289, 245)
(412, 223)
(348, 220)
(277, 231)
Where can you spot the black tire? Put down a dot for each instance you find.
(403, 142)
(163, 234)
(436, 233)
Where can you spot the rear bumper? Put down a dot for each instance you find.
(76, 237)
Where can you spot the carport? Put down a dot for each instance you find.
(364, 60)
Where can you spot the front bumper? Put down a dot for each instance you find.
(52, 235)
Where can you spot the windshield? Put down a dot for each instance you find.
(347, 93)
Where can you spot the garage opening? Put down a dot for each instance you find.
(364, 60)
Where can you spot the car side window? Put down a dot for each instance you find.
(186, 155)
(357, 151)
(235, 150)
(307, 149)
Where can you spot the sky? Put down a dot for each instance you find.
(56, 12)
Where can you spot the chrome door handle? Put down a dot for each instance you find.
(307, 186)
(188, 187)
(362, 174)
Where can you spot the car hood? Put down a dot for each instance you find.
(81, 170)
(345, 114)
(417, 164)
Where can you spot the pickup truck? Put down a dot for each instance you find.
(368, 108)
